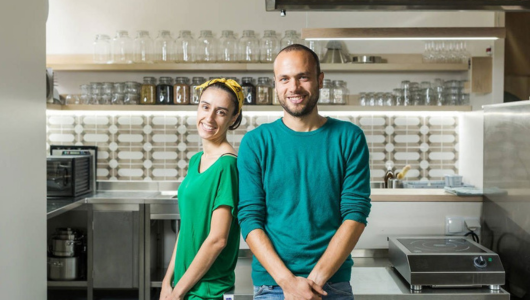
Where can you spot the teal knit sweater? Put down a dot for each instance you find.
(299, 187)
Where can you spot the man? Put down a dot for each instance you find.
(304, 190)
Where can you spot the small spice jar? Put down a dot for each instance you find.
(326, 92)
(264, 91)
(249, 91)
(181, 91)
(195, 94)
(275, 99)
(148, 92)
(164, 91)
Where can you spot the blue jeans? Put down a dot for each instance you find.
(336, 291)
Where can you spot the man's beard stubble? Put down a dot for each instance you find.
(306, 110)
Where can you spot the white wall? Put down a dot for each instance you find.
(22, 161)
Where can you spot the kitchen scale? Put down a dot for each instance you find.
(445, 262)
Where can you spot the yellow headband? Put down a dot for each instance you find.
(232, 84)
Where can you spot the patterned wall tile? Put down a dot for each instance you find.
(158, 147)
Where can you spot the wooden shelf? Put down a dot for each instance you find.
(256, 108)
(84, 63)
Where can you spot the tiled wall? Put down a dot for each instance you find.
(158, 145)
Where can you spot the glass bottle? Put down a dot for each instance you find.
(398, 97)
(326, 92)
(164, 47)
(338, 92)
(249, 47)
(269, 46)
(206, 47)
(122, 48)
(119, 93)
(102, 49)
(290, 38)
(181, 91)
(362, 99)
(228, 47)
(184, 47)
(264, 91)
(164, 91)
(249, 91)
(148, 93)
(195, 94)
(143, 47)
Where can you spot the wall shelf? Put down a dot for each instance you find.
(83, 62)
(256, 108)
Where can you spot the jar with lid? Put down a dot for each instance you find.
(143, 47)
(106, 93)
(428, 93)
(164, 47)
(269, 46)
(122, 48)
(118, 96)
(317, 47)
(249, 47)
(291, 37)
(326, 92)
(85, 94)
(181, 91)
(389, 99)
(405, 89)
(362, 99)
(228, 47)
(415, 94)
(184, 47)
(371, 99)
(379, 100)
(148, 93)
(264, 91)
(206, 50)
(102, 49)
(95, 92)
(164, 91)
(275, 98)
(233, 78)
(339, 93)
(398, 96)
(195, 94)
(249, 91)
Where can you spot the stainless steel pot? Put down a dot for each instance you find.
(63, 268)
(63, 247)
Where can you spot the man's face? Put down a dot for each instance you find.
(297, 82)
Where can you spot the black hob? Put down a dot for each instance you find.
(449, 245)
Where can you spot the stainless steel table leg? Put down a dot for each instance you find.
(415, 287)
(495, 287)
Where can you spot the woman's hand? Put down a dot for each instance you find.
(166, 292)
(176, 295)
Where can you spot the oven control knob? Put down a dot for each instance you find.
(480, 262)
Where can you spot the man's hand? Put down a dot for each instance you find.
(302, 288)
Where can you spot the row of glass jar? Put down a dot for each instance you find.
(438, 93)
(206, 48)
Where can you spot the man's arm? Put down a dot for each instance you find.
(354, 208)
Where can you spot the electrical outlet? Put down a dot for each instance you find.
(456, 225)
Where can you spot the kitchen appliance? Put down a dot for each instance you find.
(69, 175)
(63, 268)
(445, 262)
(58, 150)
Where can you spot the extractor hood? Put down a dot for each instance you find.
(396, 5)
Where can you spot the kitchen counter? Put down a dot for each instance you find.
(419, 195)
(375, 279)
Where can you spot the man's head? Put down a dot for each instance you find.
(298, 79)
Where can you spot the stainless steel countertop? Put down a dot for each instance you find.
(59, 205)
(375, 279)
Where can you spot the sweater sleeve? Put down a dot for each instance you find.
(355, 197)
(252, 209)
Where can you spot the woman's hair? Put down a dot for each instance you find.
(233, 97)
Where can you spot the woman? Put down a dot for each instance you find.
(205, 254)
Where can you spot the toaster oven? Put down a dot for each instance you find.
(69, 175)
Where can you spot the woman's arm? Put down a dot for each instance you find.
(166, 282)
(210, 249)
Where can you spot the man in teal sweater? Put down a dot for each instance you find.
(304, 190)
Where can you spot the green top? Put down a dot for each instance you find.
(298, 187)
(198, 196)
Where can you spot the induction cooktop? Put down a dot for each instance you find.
(445, 261)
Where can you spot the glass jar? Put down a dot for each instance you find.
(95, 93)
(228, 47)
(148, 93)
(362, 99)
(131, 99)
(164, 91)
(371, 98)
(428, 94)
(249, 91)
(164, 47)
(249, 47)
(106, 93)
(275, 98)
(290, 38)
(379, 100)
(269, 46)
(405, 88)
(119, 93)
(181, 91)
(195, 94)
(388, 99)
(122, 48)
(326, 92)
(206, 47)
(339, 94)
(143, 47)
(102, 49)
(317, 47)
(233, 78)
(184, 47)
(398, 96)
(85, 94)
(264, 91)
